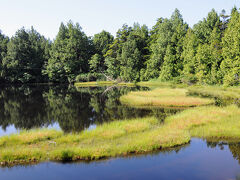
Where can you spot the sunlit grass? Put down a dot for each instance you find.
(94, 83)
(164, 97)
(158, 83)
(102, 83)
(120, 138)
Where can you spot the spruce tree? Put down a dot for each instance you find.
(230, 66)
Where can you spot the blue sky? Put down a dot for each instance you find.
(95, 15)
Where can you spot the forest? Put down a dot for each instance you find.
(207, 53)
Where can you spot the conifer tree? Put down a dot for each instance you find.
(70, 53)
(230, 66)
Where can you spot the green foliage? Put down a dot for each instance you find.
(205, 27)
(69, 55)
(158, 49)
(97, 63)
(102, 42)
(3, 51)
(26, 55)
(127, 54)
(208, 59)
(206, 54)
(190, 44)
(230, 66)
(133, 53)
(165, 61)
(130, 61)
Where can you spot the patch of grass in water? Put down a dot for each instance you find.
(121, 138)
(165, 97)
(102, 83)
(117, 138)
(158, 83)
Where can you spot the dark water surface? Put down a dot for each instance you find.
(64, 107)
(197, 161)
(74, 110)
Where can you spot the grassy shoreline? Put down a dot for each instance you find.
(101, 83)
(121, 138)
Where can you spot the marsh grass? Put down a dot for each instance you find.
(102, 83)
(215, 91)
(163, 97)
(110, 139)
(121, 138)
(158, 83)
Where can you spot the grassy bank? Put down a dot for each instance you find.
(121, 138)
(163, 97)
(109, 140)
(102, 83)
(225, 94)
(158, 83)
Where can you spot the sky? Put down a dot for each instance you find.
(97, 15)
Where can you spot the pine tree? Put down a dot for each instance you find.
(172, 59)
(230, 66)
(70, 54)
(188, 57)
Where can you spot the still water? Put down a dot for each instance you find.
(197, 161)
(74, 110)
(66, 108)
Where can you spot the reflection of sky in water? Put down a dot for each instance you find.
(9, 130)
(91, 127)
(54, 126)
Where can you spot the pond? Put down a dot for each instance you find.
(66, 108)
(77, 109)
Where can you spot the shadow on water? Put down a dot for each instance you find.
(67, 108)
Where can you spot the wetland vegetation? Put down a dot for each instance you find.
(120, 130)
(193, 77)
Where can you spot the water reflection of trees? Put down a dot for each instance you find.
(73, 109)
(234, 148)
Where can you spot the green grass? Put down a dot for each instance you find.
(108, 140)
(163, 97)
(94, 83)
(227, 93)
(120, 138)
(101, 83)
(158, 83)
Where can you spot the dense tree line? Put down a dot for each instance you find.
(207, 53)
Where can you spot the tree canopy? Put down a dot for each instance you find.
(207, 53)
